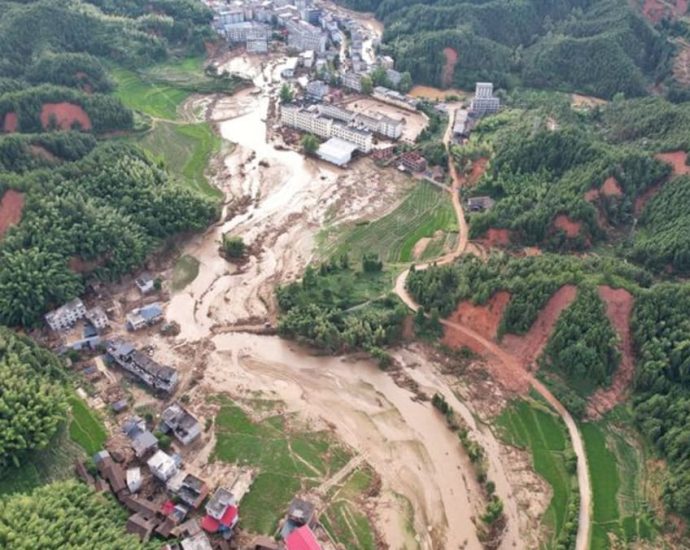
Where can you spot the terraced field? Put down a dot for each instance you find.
(85, 428)
(423, 213)
(530, 425)
(156, 100)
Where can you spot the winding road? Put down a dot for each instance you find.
(493, 349)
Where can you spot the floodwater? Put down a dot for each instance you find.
(429, 92)
(404, 440)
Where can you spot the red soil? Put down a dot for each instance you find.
(677, 159)
(644, 198)
(11, 123)
(496, 237)
(478, 168)
(656, 10)
(449, 67)
(11, 206)
(65, 114)
(619, 306)
(569, 227)
(483, 319)
(611, 188)
(592, 195)
(527, 348)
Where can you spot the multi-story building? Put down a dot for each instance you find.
(484, 101)
(390, 127)
(395, 98)
(353, 81)
(153, 374)
(66, 316)
(317, 89)
(361, 137)
(303, 36)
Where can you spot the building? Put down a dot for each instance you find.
(98, 319)
(384, 154)
(300, 512)
(352, 81)
(133, 478)
(317, 90)
(484, 102)
(145, 316)
(336, 151)
(141, 526)
(156, 376)
(183, 426)
(143, 506)
(413, 161)
(462, 125)
(386, 62)
(303, 36)
(394, 77)
(145, 283)
(162, 466)
(221, 513)
(290, 67)
(191, 490)
(66, 316)
(141, 439)
(302, 538)
(197, 542)
(395, 98)
(479, 204)
(112, 472)
(361, 137)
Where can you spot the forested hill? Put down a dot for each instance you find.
(79, 206)
(597, 47)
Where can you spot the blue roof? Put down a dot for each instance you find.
(151, 311)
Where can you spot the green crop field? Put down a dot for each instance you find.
(530, 425)
(156, 100)
(288, 458)
(85, 428)
(424, 211)
(185, 271)
(55, 463)
(616, 471)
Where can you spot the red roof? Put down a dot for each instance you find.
(211, 525)
(302, 539)
(168, 507)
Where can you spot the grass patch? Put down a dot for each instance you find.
(85, 428)
(186, 150)
(185, 271)
(146, 96)
(288, 457)
(422, 213)
(530, 425)
(55, 463)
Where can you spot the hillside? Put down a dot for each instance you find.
(596, 47)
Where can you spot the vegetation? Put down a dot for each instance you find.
(424, 212)
(185, 271)
(288, 458)
(64, 515)
(597, 47)
(286, 93)
(309, 143)
(85, 428)
(531, 426)
(233, 247)
(32, 402)
(338, 308)
(583, 344)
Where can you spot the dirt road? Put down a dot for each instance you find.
(517, 370)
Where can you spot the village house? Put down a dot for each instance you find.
(197, 542)
(191, 490)
(145, 316)
(141, 439)
(66, 316)
(383, 154)
(141, 506)
(178, 421)
(301, 512)
(162, 466)
(317, 90)
(112, 472)
(141, 526)
(221, 513)
(413, 161)
(302, 538)
(133, 477)
(98, 319)
(174, 516)
(156, 376)
(479, 204)
(145, 283)
(484, 102)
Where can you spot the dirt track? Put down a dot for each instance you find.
(517, 373)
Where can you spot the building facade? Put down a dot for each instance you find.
(484, 102)
(66, 316)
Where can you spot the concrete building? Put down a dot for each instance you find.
(395, 98)
(154, 375)
(461, 127)
(180, 423)
(352, 81)
(66, 316)
(317, 90)
(336, 151)
(302, 36)
(145, 316)
(162, 466)
(484, 102)
(413, 161)
(133, 477)
(145, 283)
(393, 77)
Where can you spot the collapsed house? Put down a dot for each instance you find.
(154, 375)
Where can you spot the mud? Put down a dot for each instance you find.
(10, 123)
(570, 227)
(496, 237)
(65, 115)
(619, 305)
(484, 319)
(11, 206)
(611, 188)
(527, 348)
(678, 161)
(448, 70)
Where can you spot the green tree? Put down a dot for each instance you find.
(310, 144)
(234, 247)
(405, 82)
(367, 85)
(286, 93)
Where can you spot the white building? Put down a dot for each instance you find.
(317, 89)
(353, 81)
(162, 466)
(336, 151)
(395, 98)
(97, 317)
(66, 316)
(484, 101)
(302, 36)
(133, 477)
